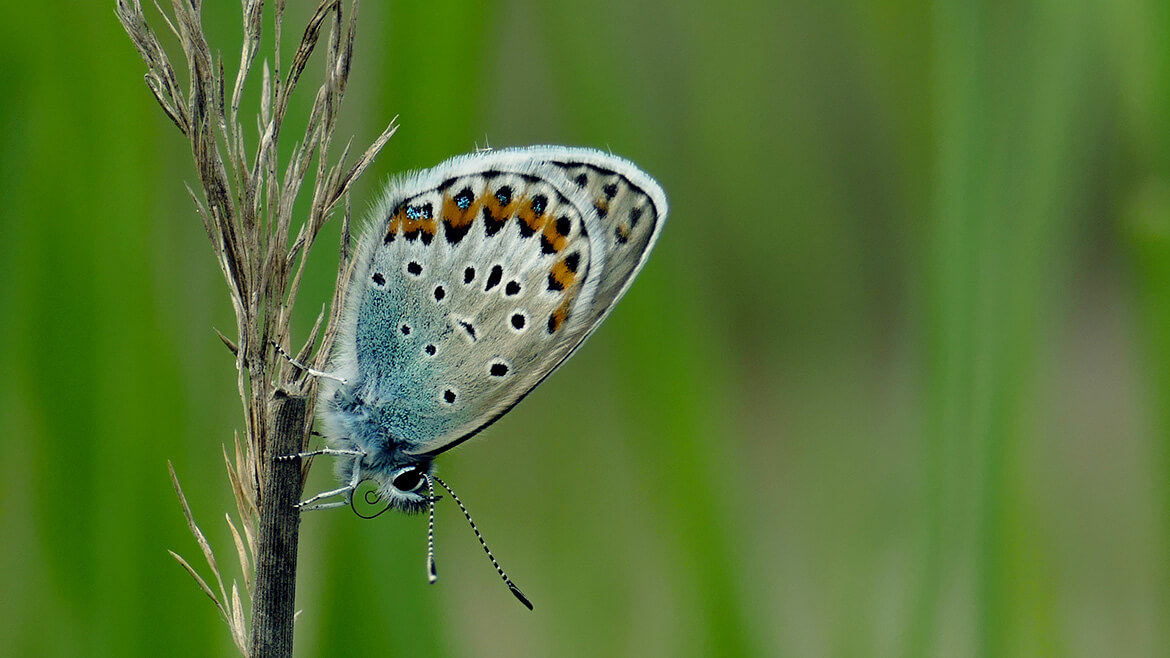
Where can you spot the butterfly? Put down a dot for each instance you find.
(473, 281)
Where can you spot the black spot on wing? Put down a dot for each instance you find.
(494, 278)
(455, 233)
(491, 223)
(635, 215)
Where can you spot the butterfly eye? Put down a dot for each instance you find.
(409, 480)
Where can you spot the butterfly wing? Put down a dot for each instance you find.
(482, 275)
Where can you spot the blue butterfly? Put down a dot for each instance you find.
(474, 281)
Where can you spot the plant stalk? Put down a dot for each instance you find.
(274, 599)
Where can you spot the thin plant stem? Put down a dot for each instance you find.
(246, 199)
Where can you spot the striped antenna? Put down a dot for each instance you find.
(432, 573)
(507, 581)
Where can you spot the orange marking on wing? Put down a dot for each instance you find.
(396, 222)
(457, 218)
(564, 276)
(602, 205)
(527, 215)
(499, 212)
(553, 237)
(561, 314)
(427, 225)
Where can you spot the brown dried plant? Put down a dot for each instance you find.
(247, 208)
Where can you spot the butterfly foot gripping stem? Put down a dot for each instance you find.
(311, 503)
(301, 366)
(323, 451)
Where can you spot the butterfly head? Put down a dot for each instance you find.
(403, 487)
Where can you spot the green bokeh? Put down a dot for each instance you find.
(896, 381)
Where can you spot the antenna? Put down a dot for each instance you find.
(432, 574)
(430, 540)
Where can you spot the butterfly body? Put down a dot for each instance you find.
(473, 282)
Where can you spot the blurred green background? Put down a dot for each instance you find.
(896, 381)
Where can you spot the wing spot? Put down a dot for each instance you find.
(498, 369)
(494, 278)
(468, 275)
(449, 396)
(464, 198)
(581, 179)
(513, 288)
(635, 215)
(504, 195)
(440, 293)
(469, 328)
(414, 268)
(430, 350)
(564, 273)
(519, 321)
(492, 224)
(622, 233)
(531, 215)
(419, 223)
(405, 329)
(610, 190)
(379, 279)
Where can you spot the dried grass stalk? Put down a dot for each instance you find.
(246, 201)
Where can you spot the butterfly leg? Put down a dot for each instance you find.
(319, 506)
(312, 371)
(308, 504)
(331, 452)
(355, 479)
